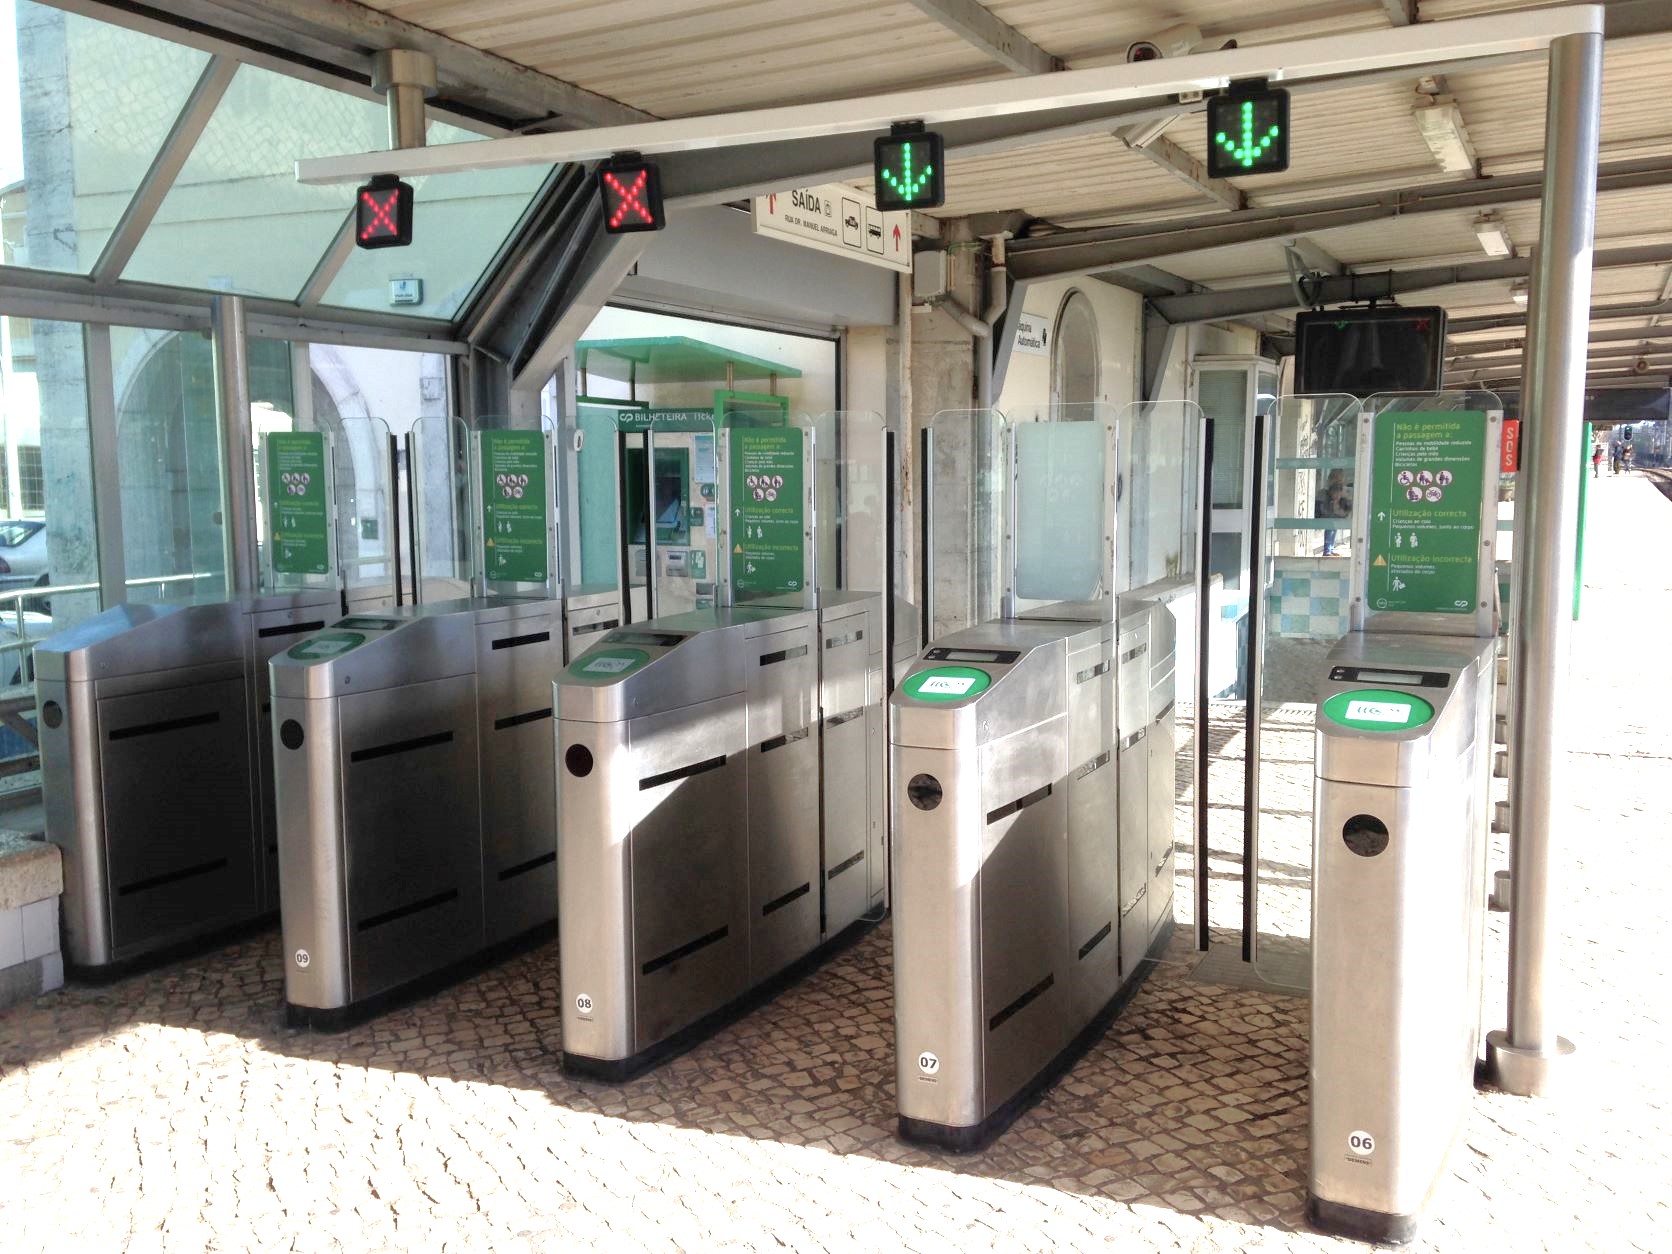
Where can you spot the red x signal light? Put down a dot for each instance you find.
(383, 213)
(631, 189)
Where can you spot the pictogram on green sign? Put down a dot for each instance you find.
(1425, 512)
(514, 507)
(298, 507)
(768, 508)
(946, 683)
(1378, 709)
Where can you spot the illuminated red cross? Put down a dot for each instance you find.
(629, 197)
(382, 221)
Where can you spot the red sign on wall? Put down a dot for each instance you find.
(1510, 460)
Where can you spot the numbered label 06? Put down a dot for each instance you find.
(1361, 1144)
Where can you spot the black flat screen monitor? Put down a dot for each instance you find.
(1364, 351)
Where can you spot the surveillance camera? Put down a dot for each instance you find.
(1175, 41)
(1640, 366)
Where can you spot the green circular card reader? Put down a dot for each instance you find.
(1378, 710)
(325, 646)
(602, 665)
(946, 683)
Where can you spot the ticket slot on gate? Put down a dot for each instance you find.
(416, 806)
(1403, 778)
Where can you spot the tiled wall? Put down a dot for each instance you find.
(1309, 598)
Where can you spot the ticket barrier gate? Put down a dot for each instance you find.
(415, 797)
(1404, 757)
(1025, 914)
(694, 752)
(156, 771)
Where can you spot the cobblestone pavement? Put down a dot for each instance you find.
(172, 1111)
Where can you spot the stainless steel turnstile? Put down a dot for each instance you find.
(156, 773)
(694, 864)
(589, 614)
(1024, 912)
(415, 796)
(1398, 907)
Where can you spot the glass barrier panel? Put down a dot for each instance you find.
(1067, 515)
(169, 458)
(1159, 492)
(438, 470)
(366, 527)
(1313, 477)
(964, 494)
(850, 502)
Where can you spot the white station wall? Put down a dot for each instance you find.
(1119, 314)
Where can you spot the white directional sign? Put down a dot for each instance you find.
(836, 218)
(1033, 335)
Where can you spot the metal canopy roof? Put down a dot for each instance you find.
(672, 359)
(533, 65)
(678, 58)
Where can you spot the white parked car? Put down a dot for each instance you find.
(22, 554)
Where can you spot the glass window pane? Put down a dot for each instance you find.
(236, 219)
(459, 223)
(84, 107)
(168, 446)
(49, 554)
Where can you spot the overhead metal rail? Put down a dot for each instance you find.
(712, 158)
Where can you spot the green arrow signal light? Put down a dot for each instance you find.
(908, 171)
(907, 185)
(1246, 150)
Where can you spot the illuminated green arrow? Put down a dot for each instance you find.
(905, 184)
(1246, 150)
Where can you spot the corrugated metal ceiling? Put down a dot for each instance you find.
(683, 57)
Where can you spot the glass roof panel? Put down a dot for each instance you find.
(84, 107)
(459, 222)
(236, 219)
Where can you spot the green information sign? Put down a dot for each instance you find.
(298, 509)
(326, 645)
(514, 521)
(1425, 510)
(946, 683)
(1378, 709)
(602, 665)
(767, 504)
(664, 419)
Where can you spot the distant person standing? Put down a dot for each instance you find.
(1613, 459)
(1596, 461)
(1333, 502)
(1627, 455)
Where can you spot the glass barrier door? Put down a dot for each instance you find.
(1161, 559)
(363, 455)
(963, 489)
(438, 492)
(1305, 549)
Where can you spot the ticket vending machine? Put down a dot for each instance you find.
(720, 770)
(416, 814)
(1401, 816)
(156, 765)
(1030, 897)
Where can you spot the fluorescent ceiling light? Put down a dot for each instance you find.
(1441, 125)
(1493, 236)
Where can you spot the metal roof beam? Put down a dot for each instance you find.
(1240, 302)
(1518, 321)
(997, 39)
(1104, 248)
(1031, 103)
(1400, 12)
(344, 36)
(171, 158)
(1596, 335)
(1174, 160)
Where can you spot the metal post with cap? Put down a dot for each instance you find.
(1523, 1058)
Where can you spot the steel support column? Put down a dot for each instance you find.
(232, 394)
(1523, 1058)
